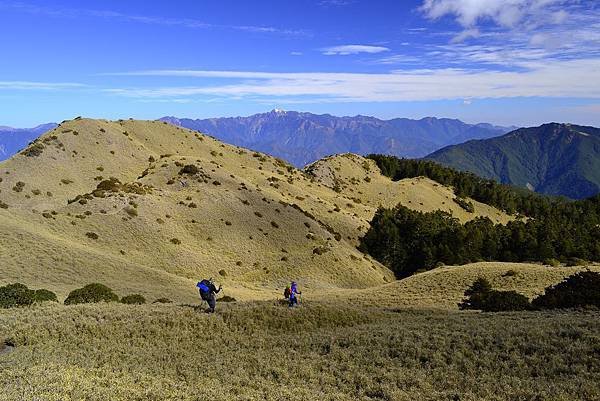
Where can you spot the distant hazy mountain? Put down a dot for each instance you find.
(302, 138)
(556, 159)
(13, 140)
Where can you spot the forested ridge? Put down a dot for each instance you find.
(554, 229)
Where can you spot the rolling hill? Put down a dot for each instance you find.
(144, 206)
(554, 159)
(303, 138)
(13, 140)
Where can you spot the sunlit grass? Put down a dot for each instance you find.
(316, 352)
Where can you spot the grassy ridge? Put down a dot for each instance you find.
(318, 352)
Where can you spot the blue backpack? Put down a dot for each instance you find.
(204, 287)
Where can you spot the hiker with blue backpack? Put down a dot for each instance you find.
(208, 292)
(292, 293)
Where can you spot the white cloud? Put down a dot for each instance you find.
(396, 59)
(559, 78)
(296, 53)
(507, 13)
(46, 86)
(345, 50)
(519, 17)
(466, 34)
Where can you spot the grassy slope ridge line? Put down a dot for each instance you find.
(183, 206)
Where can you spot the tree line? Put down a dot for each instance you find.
(555, 229)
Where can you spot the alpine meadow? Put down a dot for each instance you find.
(426, 225)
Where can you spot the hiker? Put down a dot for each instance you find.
(293, 299)
(208, 292)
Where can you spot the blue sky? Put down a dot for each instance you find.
(511, 62)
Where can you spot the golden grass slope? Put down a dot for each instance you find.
(360, 179)
(248, 219)
(444, 287)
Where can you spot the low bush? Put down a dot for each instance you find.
(552, 262)
(503, 301)
(227, 298)
(18, 294)
(36, 149)
(189, 169)
(91, 293)
(133, 299)
(481, 296)
(580, 289)
(13, 295)
(43, 295)
(464, 204)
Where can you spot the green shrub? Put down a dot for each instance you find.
(510, 273)
(227, 298)
(464, 204)
(580, 289)
(189, 169)
(112, 184)
(133, 299)
(17, 294)
(499, 301)
(91, 293)
(43, 295)
(36, 149)
(91, 235)
(552, 262)
(175, 241)
(481, 296)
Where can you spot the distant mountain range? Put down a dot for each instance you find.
(302, 138)
(13, 140)
(555, 159)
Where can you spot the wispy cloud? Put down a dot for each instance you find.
(538, 80)
(44, 86)
(145, 19)
(335, 3)
(345, 50)
(397, 59)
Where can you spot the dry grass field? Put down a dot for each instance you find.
(262, 351)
